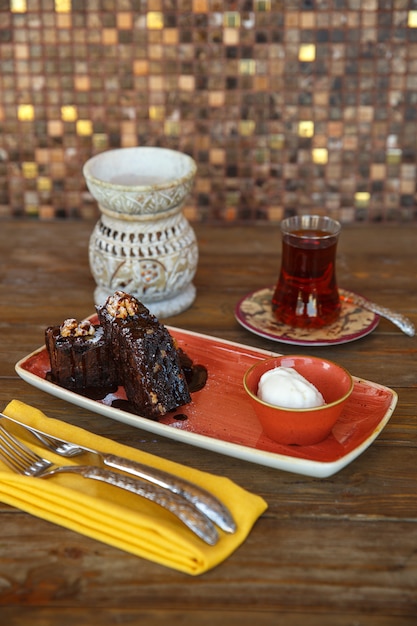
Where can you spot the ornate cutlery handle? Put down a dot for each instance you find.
(204, 501)
(182, 509)
(399, 320)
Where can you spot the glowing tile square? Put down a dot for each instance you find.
(320, 156)
(362, 199)
(44, 183)
(25, 112)
(63, 6)
(29, 169)
(156, 112)
(84, 128)
(69, 113)
(306, 128)
(155, 20)
(307, 52)
(18, 6)
(412, 19)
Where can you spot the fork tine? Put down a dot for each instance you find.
(63, 448)
(23, 461)
(9, 460)
(55, 445)
(16, 454)
(9, 457)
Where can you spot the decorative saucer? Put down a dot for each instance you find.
(254, 312)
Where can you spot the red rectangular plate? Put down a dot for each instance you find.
(221, 419)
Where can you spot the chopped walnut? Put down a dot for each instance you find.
(72, 328)
(154, 397)
(122, 305)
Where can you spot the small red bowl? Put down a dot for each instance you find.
(301, 426)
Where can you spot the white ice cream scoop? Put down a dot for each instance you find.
(284, 386)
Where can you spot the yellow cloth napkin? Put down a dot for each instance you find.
(131, 523)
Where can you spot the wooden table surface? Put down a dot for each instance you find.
(340, 550)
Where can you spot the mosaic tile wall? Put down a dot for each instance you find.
(286, 105)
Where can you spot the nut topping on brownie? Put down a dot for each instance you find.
(122, 305)
(72, 328)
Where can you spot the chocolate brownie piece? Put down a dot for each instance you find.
(145, 355)
(80, 356)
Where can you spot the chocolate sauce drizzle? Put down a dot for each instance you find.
(195, 375)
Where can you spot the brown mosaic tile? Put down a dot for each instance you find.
(298, 106)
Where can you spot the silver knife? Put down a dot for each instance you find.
(23, 460)
(200, 498)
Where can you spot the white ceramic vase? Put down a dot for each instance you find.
(142, 243)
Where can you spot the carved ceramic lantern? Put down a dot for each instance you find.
(142, 243)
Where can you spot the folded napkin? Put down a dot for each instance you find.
(131, 523)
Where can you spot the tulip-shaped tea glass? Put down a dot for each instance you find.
(306, 294)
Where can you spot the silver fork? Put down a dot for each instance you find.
(23, 460)
(200, 498)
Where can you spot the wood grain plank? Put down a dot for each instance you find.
(340, 550)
